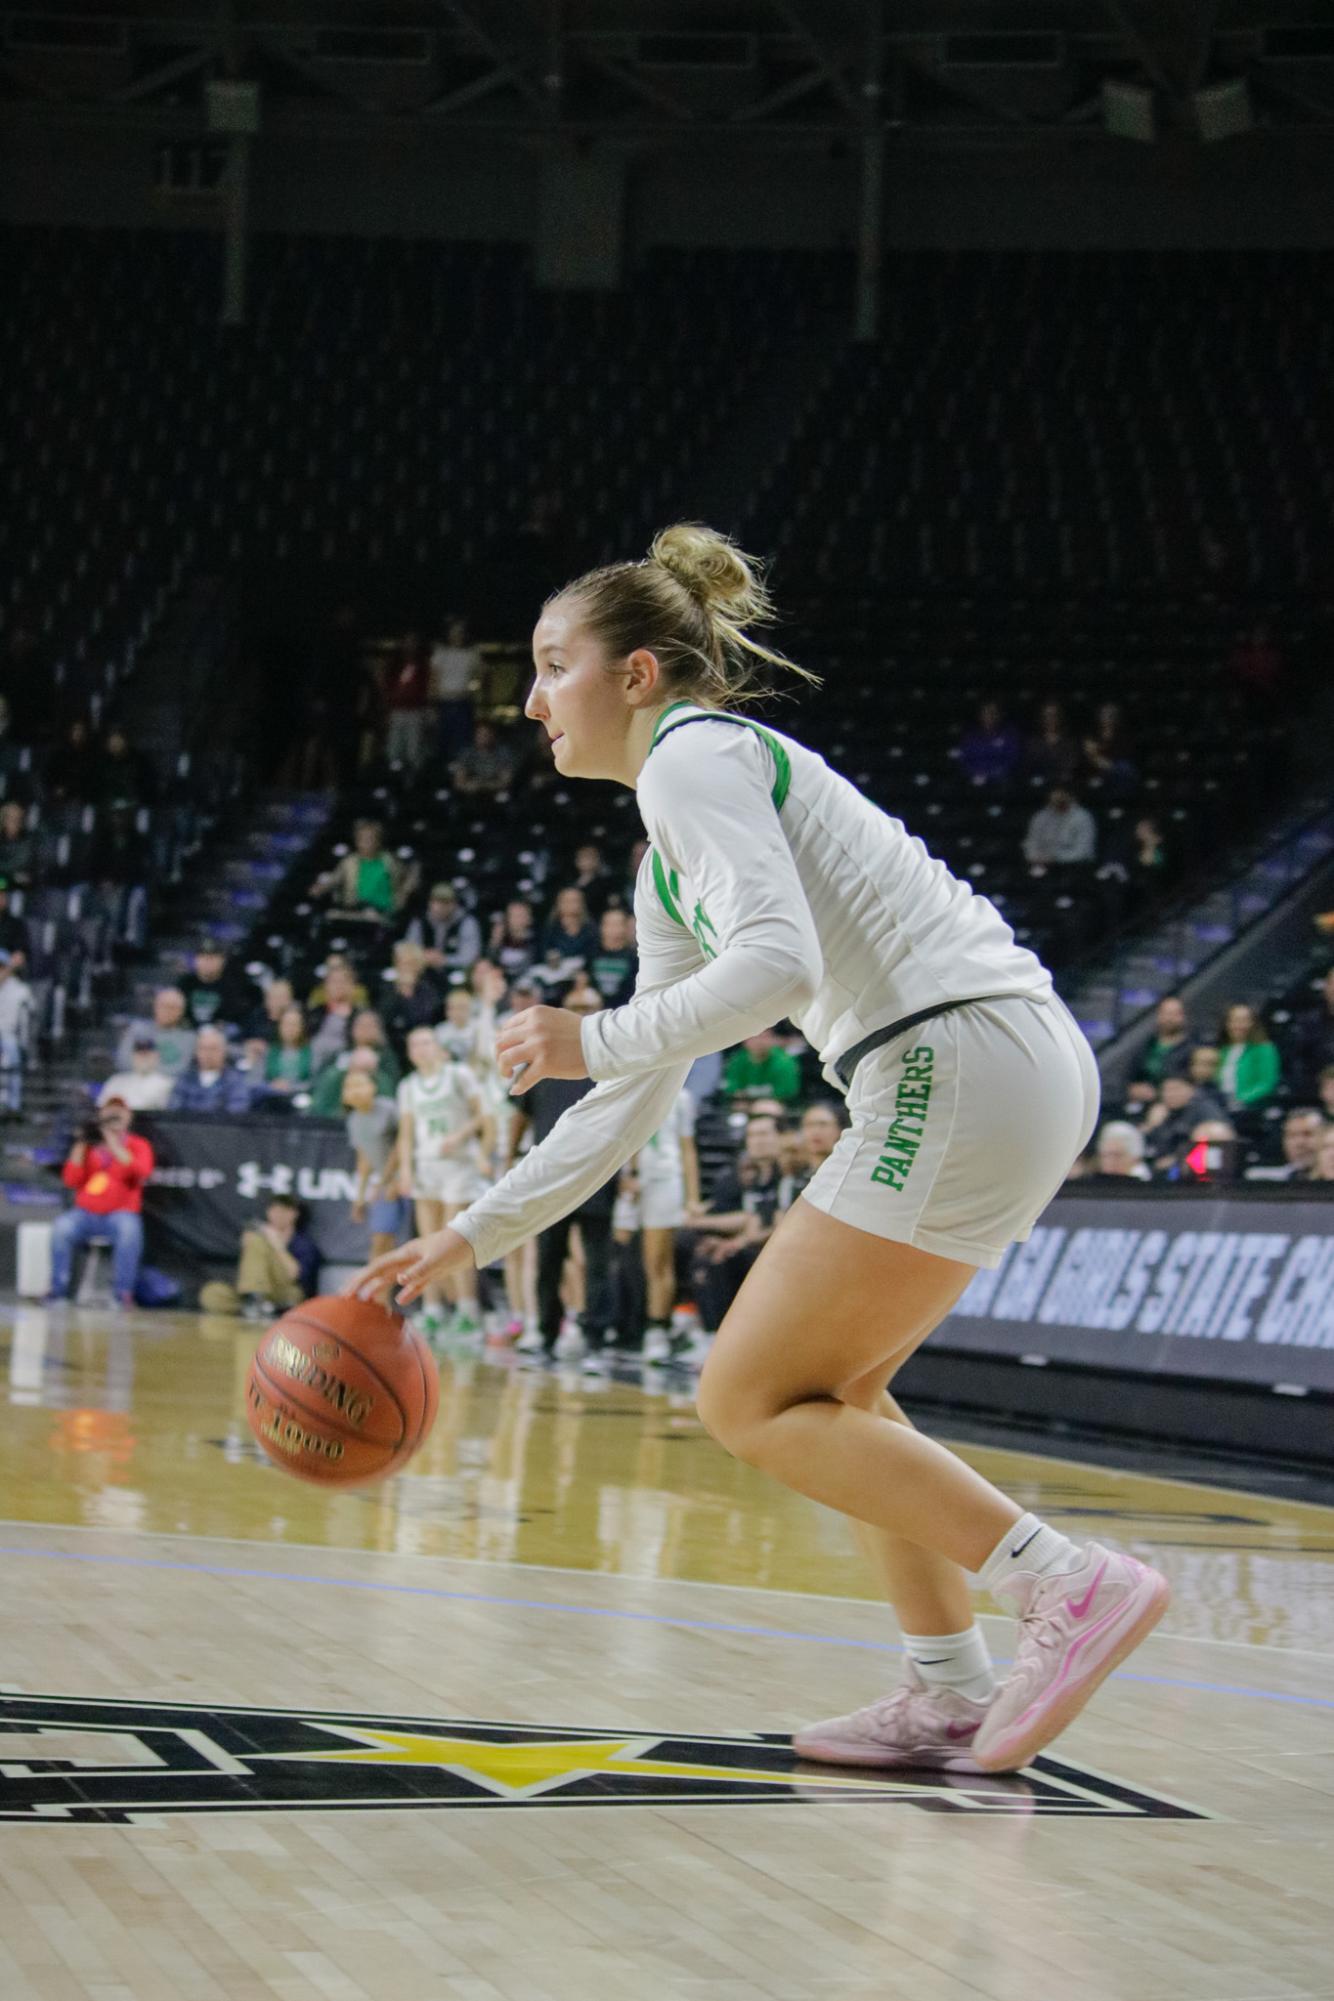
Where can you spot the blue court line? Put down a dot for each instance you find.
(603, 1612)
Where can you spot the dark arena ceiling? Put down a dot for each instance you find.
(658, 68)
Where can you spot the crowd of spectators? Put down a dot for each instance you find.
(1120, 863)
(1235, 1100)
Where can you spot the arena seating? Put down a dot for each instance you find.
(1051, 477)
(1083, 420)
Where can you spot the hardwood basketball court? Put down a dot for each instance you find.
(512, 1727)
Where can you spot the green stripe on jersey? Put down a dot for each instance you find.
(668, 886)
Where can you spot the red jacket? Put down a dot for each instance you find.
(103, 1184)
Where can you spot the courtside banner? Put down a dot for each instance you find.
(214, 1176)
(1234, 1287)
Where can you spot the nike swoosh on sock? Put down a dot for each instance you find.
(1027, 1540)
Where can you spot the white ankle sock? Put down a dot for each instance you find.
(953, 1660)
(1028, 1551)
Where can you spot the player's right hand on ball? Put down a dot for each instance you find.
(411, 1267)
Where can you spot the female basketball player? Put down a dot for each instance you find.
(444, 1130)
(773, 888)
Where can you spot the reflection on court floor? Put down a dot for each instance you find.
(515, 1725)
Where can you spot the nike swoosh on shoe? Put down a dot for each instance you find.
(1077, 1611)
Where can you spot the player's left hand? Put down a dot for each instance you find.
(546, 1040)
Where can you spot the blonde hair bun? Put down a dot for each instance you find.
(691, 602)
(719, 575)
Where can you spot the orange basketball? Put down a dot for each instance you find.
(341, 1391)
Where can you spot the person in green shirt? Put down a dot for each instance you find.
(1248, 1063)
(287, 1063)
(367, 1050)
(1166, 1054)
(369, 883)
(761, 1068)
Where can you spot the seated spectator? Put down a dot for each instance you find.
(1053, 754)
(146, 1086)
(72, 765)
(122, 775)
(1169, 1123)
(615, 964)
(512, 944)
(210, 1083)
(1313, 1036)
(268, 1277)
(738, 1220)
(106, 1173)
(262, 1021)
(456, 668)
(1121, 1152)
(991, 750)
(1203, 1067)
(592, 879)
(406, 692)
(1303, 1130)
(822, 1126)
(760, 1067)
(18, 848)
(214, 992)
(333, 1008)
(15, 1035)
(1061, 834)
(486, 766)
(289, 1065)
(1107, 750)
(1323, 1170)
(13, 931)
(568, 933)
(1248, 1063)
(252, 1063)
(368, 1049)
(1166, 1054)
(167, 1029)
(368, 886)
(793, 1170)
(338, 985)
(449, 936)
(414, 1000)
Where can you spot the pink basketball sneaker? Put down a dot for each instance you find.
(1073, 1630)
(916, 1725)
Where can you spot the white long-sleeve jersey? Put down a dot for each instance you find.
(772, 888)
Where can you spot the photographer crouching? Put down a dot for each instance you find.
(106, 1172)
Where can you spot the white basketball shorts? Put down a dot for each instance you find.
(963, 1128)
(456, 1182)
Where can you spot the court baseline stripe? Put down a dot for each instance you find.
(598, 1612)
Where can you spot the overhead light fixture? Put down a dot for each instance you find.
(1128, 111)
(1223, 110)
(231, 107)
